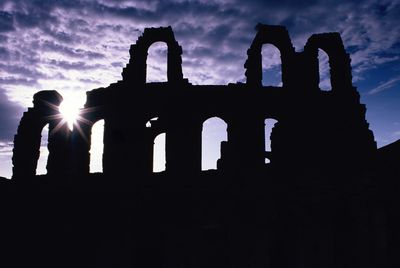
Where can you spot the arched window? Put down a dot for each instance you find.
(43, 152)
(159, 153)
(96, 147)
(214, 132)
(324, 71)
(269, 124)
(271, 66)
(157, 63)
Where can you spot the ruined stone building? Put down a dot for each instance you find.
(319, 202)
(315, 129)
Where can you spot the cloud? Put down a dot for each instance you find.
(396, 133)
(10, 115)
(74, 42)
(215, 33)
(384, 86)
(71, 52)
(6, 22)
(73, 65)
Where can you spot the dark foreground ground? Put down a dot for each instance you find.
(207, 220)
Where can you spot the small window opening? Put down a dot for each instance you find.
(269, 125)
(214, 133)
(159, 153)
(271, 66)
(97, 147)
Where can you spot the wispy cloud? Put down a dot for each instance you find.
(384, 86)
(396, 134)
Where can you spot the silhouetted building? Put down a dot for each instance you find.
(315, 130)
(320, 202)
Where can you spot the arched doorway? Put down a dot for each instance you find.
(214, 132)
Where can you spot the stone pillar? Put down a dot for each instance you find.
(340, 72)
(253, 67)
(27, 140)
(246, 143)
(27, 145)
(59, 160)
(183, 146)
(174, 68)
(80, 147)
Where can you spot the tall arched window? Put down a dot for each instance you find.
(269, 125)
(157, 63)
(159, 153)
(271, 66)
(44, 152)
(324, 71)
(97, 147)
(214, 132)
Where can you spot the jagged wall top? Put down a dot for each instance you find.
(136, 68)
(128, 142)
(268, 34)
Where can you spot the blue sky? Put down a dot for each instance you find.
(77, 45)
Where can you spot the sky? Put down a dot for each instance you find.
(77, 45)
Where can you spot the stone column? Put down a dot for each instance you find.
(183, 146)
(27, 140)
(247, 143)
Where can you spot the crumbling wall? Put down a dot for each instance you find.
(27, 140)
(339, 60)
(135, 71)
(274, 35)
(315, 129)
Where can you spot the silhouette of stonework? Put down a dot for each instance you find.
(328, 198)
(317, 130)
(28, 137)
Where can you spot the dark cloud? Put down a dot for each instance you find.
(10, 114)
(218, 34)
(34, 18)
(185, 29)
(61, 36)
(117, 64)
(70, 51)
(6, 22)
(17, 81)
(89, 81)
(75, 65)
(4, 54)
(21, 70)
(3, 38)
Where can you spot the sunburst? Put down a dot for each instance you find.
(70, 112)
